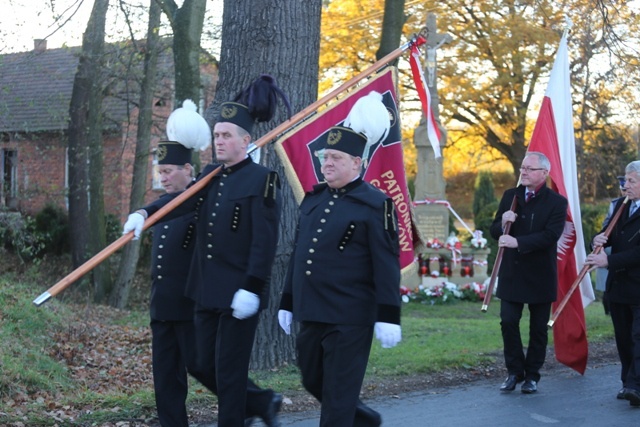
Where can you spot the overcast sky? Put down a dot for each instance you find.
(22, 21)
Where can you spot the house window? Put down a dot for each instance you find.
(9, 178)
(155, 176)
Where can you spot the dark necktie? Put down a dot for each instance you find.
(529, 196)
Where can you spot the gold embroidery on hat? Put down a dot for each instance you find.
(334, 137)
(229, 111)
(162, 152)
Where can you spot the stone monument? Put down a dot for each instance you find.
(432, 219)
(441, 262)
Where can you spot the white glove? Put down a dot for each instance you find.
(134, 223)
(389, 334)
(245, 304)
(284, 318)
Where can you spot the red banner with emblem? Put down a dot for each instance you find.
(384, 167)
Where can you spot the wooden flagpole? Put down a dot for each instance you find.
(202, 182)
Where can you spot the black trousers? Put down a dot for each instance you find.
(173, 347)
(333, 360)
(626, 326)
(173, 351)
(223, 348)
(518, 363)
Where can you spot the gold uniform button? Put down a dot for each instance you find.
(209, 256)
(309, 261)
(311, 250)
(308, 273)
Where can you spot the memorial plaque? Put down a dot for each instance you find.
(432, 222)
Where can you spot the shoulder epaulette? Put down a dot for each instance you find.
(271, 188)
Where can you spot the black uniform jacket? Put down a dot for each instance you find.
(623, 281)
(345, 267)
(238, 216)
(529, 273)
(172, 248)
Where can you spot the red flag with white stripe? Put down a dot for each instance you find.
(433, 131)
(553, 135)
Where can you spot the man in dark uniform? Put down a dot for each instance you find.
(237, 221)
(343, 282)
(623, 282)
(528, 273)
(173, 339)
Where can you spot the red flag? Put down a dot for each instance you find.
(433, 131)
(384, 167)
(553, 135)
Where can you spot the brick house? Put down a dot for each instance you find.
(35, 92)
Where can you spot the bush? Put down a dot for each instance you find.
(52, 223)
(592, 217)
(19, 235)
(483, 222)
(484, 193)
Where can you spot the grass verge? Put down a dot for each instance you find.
(37, 389)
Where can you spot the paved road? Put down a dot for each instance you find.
(564, 399)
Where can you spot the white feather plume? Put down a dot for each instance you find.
(188, 127)
(370, 117)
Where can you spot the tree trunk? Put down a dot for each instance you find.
(86, 84)
(102, 281)
(187, 32)
(131, 252)
(392, 23)
(280, 38)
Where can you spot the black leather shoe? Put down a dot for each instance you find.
(633, 396)
(510, 383)
(529, 386)
(621, 393)
(270, 417)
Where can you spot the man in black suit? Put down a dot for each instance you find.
(528, 273)
(601, 273)
(623, 283)
(343, 282)
(238, 214)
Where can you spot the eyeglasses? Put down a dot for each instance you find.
(528, 169)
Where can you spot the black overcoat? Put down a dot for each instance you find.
(623, 280)
(529, 274)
